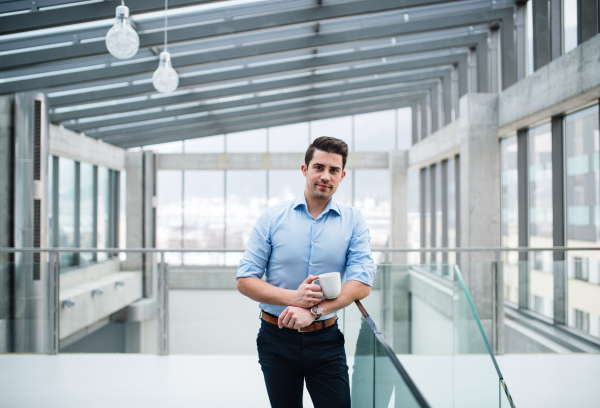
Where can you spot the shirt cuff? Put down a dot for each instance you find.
(361, 273)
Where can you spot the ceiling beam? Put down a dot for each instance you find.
(478, 40)
(46, 18)
(390, 67)
(269, 120)
(147, 67)
(142, 128)
(232, 26)
(390, 83)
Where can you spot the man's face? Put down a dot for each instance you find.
(323, 174)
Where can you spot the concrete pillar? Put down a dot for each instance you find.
(134, 166)
(6, 211)
(479, 197)
(399, 197)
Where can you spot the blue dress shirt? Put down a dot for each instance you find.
(288, 244)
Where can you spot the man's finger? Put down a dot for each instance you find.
(310, 279)
(313, 287)
(281, 316)
(316, 295)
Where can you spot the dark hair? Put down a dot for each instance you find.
(329, 145)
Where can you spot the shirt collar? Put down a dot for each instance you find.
(331, 205)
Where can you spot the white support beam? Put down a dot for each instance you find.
(260, 161)
(76, 146)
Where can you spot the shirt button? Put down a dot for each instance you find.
(315, 221)
(312, 243)
(311, 264)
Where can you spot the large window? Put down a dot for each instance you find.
(510, 215)
(66, 210)
(582, 141)
(414, 215)
(217, 209)
(84, 209)
(541, 278)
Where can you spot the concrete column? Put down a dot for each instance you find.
(134, 166)
(6, 211)
(399, 189)
(479, 196)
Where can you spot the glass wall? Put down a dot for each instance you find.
(66, 210)
(87, 229)
(84, 209)
(414, 215)
(451, 209)
(582, 141)
(217, 209)
(509, 228)
(540, 220)
(569, 24)
(245, 200)
(437, 202)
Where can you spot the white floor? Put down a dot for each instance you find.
(115, 381)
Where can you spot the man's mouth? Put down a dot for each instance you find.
(323, 186)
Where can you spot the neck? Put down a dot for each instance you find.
(315, 205)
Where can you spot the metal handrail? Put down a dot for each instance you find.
(400, 250)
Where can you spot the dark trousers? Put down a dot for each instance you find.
(288, 358)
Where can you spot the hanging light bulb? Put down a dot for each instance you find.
(165, 78)
(121, 40)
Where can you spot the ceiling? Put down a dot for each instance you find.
(247, 64)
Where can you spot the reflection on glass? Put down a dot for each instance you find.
(375, 131)
(204, 215)
(476, 381)
(569, 25)
(404, 125)
(438, 210)
(66, 209)
(340, 128)
(246, 198)
(103, 212)
(541, 296)
(414, 215)
(210, 144)
(510, 216)
(372, 197)
(169, 213)
(427, 186)
(289, 138)
(529, 38)
(86, 211)
(251, 141)
(583, 219)
(451, 209)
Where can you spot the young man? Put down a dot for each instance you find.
(293, 242)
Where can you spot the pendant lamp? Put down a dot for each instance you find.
(165, 78)
(121, 40)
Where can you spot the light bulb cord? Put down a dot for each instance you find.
(166, 8)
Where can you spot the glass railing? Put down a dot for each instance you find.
(378, 378)
(478, 380)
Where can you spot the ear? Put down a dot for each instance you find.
(343, 175)
(304, 169)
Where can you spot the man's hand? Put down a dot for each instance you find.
(308, 294)
(295, 317)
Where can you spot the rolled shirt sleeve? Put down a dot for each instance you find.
(359, 261)
(258, 249)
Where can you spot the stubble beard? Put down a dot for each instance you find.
(318, 195)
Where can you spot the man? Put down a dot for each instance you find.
(293, 242)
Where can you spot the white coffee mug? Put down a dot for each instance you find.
(331, 284)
